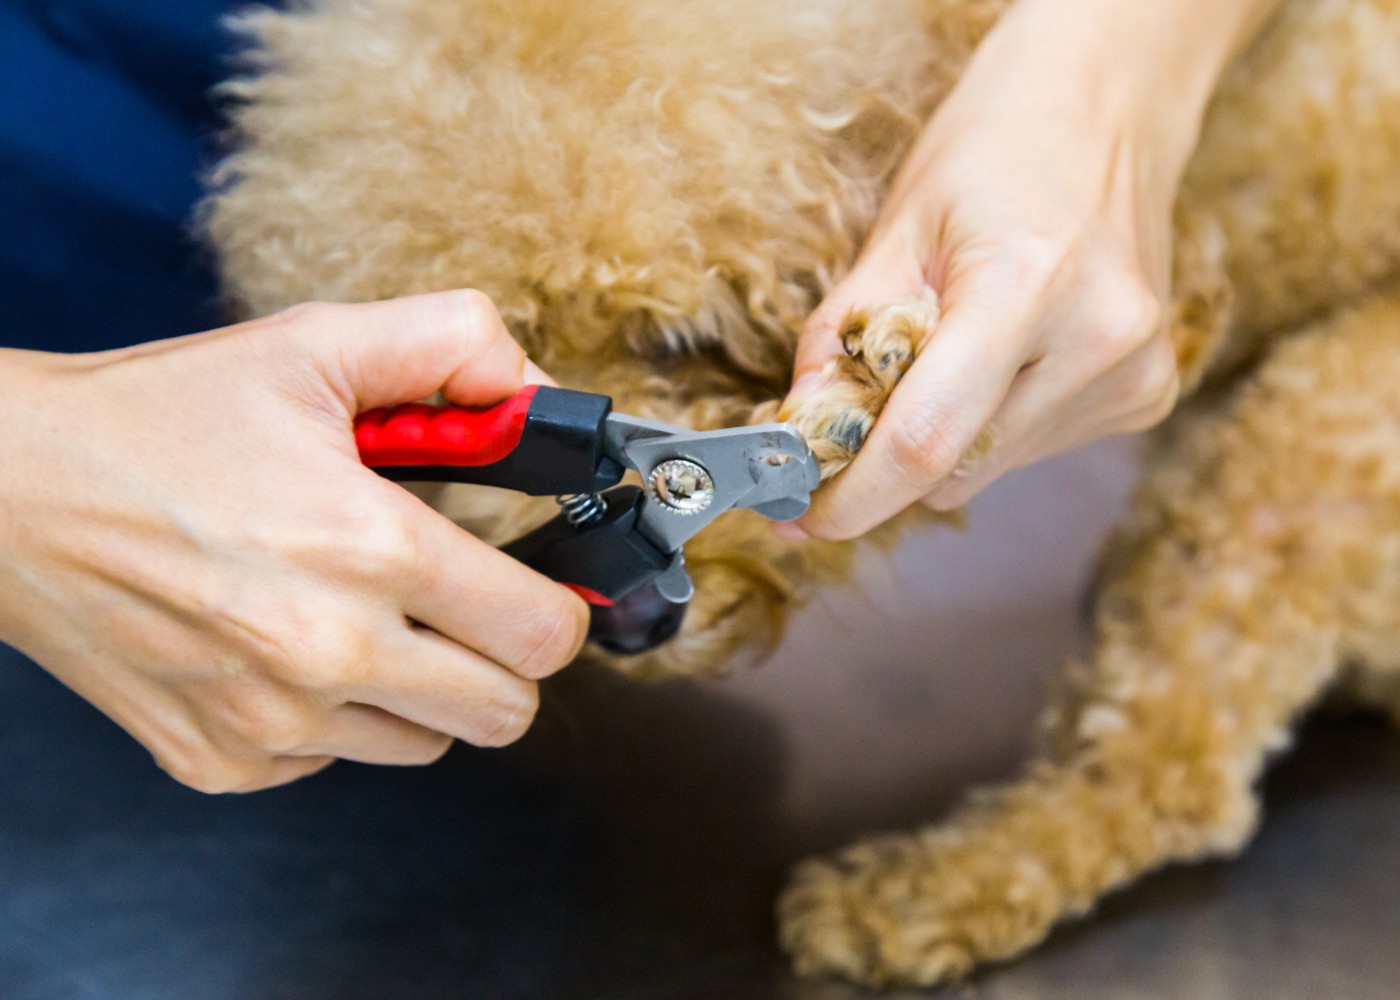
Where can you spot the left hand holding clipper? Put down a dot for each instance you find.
(189, 540)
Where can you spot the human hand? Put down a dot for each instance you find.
(189, 540)
(1037, 204)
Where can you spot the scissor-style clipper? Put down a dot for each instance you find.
(609, 542)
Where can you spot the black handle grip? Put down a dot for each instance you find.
(607, 558)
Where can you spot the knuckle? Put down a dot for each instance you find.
(511, 716)
(1153, 391)
(1132, 314)
(474, 302)
(210, 773)
(275, 730)
(1163, 381)
(304, 314)
(1037, 256)
(1169, 397)
(1157, 406)
(386, 547)
(471, 312)
(923, 448)
(328, 655)
(554, 638)
(432, 751)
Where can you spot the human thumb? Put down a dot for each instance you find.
(882, 276)
(400, 350)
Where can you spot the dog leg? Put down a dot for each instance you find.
(1262, 550)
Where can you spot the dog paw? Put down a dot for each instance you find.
(880, 346)
(914, 910)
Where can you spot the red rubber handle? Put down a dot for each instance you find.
(420, 435)
(591, 596)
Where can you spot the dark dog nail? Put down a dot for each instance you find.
(638, 622)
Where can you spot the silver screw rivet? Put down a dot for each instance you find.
(681, 486)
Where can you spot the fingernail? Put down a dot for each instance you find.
(801, 389)
(534, 375)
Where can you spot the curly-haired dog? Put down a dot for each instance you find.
(657, 193)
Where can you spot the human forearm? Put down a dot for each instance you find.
(1152, 64)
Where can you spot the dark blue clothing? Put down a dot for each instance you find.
(105, 125)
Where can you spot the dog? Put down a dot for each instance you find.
(657, 193)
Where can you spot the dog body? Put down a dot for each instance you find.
(657, 193)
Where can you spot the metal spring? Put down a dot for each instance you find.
(582, 508)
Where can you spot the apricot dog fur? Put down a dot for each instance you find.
(657, 193)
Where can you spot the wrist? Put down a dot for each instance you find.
(28, 392)
(1145, 70)
(17, 385)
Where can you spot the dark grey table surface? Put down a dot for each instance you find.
(630, 848)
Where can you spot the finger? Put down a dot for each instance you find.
(430, 680)
(1050, 411)
(1032, 416)
(884, 274)
(188, 745)
(485, 600)
(399, 350)
(937, 411)
(535, 375)
(372, 736)
(250, 721)
(220, 775)
(285, 770)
